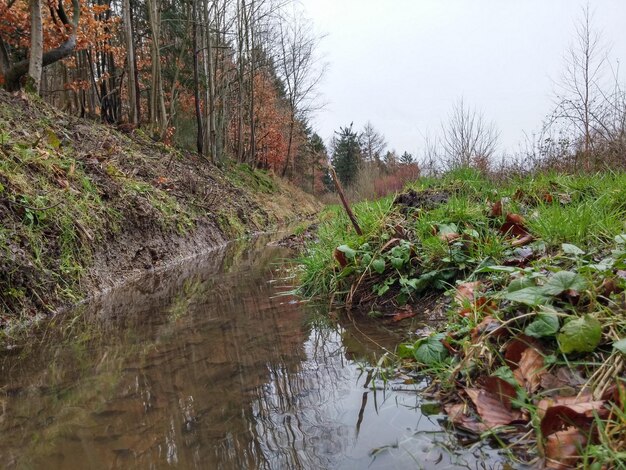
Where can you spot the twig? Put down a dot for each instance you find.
(344, 201)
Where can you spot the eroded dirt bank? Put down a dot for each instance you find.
(84, 207)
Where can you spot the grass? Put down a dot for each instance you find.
(564, 286)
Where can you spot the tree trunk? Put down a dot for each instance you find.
(158, 112)
(196, 82)
(35, 64)
(211, 92)
(17, 71)
(133, 114)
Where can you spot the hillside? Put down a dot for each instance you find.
(84, 207)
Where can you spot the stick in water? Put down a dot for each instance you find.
(344, 201)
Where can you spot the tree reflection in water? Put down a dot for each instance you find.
(203, 366)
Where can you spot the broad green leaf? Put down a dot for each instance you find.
(604, 265)
(571, 249)
(381, 289)
(580, 335)
(346, 250)
(431, 351)
(406, 350)
(366, 259)
(620, 345)
(378, 265)
(532, 296)
(445, 229)
(546, 324)
(620, 239)
(520, 283)
(563, 281)
(397, 263)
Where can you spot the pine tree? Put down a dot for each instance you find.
(347, 156)
(406, 158)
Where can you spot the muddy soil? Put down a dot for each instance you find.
(425, 200)
(84, 207)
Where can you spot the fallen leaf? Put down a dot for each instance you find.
(449, 237)
(562, 449)
(547, 198)
(583, 404)
(459, 416)
(553, 385)
(560, 417)
(530, 369)
(503, 390)
(525, 240)
(515, 348)
(403, 315)
(488, 325)
(609, 287)
(496, 209)
(340, 257)
(491, 409)
(514, 225)
(466, 291)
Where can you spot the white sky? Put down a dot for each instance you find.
(401, 64)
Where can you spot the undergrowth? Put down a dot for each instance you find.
(534, 270)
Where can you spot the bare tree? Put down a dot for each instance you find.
(580, 97)
(296, 65)
(468, 139)
(373, 144)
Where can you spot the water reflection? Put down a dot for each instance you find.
(204, 366)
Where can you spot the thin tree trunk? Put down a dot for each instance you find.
(196, 82)
(133, 114)
(35, 64)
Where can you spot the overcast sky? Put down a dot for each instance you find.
(402, 64)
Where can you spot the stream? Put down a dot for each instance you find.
(210, 364)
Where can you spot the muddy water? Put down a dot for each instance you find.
(206, 366)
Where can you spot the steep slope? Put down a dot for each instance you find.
(83, 206)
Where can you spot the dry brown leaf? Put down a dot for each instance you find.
(553, 385)
(515, 348)
(402, 315)
(562, 449)
(466, 291)
(609, 286)
(583, 404)
(560, 417)
(340, 257)
(449, 237)
(496, 209)
(525, 240)
(488, 325)
(514, 225)
(530, 369)
(459, 416)
(491, 409)
(504, 391)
